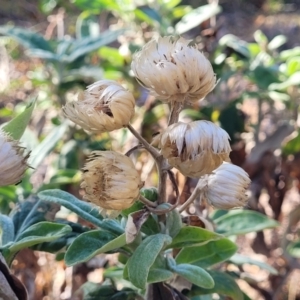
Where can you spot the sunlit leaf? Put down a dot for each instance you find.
(16, 127)
(196, 17)
(237, 222)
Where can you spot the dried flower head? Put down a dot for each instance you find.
(110, 180)
(13, 161)
(195, 148)
(174, 70)
(226, 187)
(104, 106)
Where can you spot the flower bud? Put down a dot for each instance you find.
(173, 70)
(104, 106)
(110, 180)
(226, 187)
(195, 148)
(13, 161)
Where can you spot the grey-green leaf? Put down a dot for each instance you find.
(194, 274)
(139, 263)
(36, 234)
(16, 127)
(173, 222)
(48, 144)
(224, 285)
(92, 243)
(294, 249)
(208, 254)
(239, 259)
(238, 222)
(83, 209)
(192, 236)
(7, 230)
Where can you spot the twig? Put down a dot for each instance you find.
(146, 201)
(193, 196)
(147, 146)
(130, 151)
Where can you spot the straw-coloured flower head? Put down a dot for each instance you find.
(226, 187)
(13, 161)
(104, 106)
(195, 148)
(173, 70)
(110, 180)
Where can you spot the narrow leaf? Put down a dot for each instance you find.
(208, 254)
(83, 209)
(139, 264)
(16, 127)
(86, 45)
(196, 17)
(44, 148)
(192, 236)
(26, 38)
(238, 222)
(239, 259)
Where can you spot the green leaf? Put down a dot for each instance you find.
(159, 275)
(277, 42)
(194, 274)
(84, 210)
(192, 236)
(139, 263)
(32, 211)
(294, 249)
(207, 255)
(86, 45)
(196, 17)
(293, 145)
(292, 80)
(16, 127)
(284, 55)
(235, 43)
(36, 234)
(27, 38)
(238, 222)
(173, 222)
(48, 144)
(264, 77)
(293, 65)
(150, 193)
(260, 37)
(7, 230)
(92, 243)
(224, 285)
(239, 259)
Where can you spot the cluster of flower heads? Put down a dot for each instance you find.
(172, 70)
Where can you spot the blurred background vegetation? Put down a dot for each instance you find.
(52, 49)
